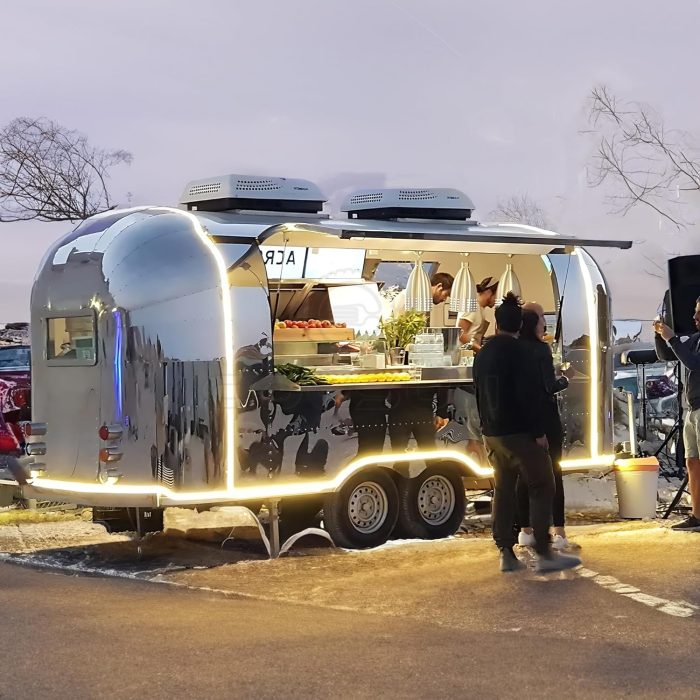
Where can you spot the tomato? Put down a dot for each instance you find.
(326, 324)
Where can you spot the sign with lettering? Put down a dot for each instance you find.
(284, 263)
(292, 263)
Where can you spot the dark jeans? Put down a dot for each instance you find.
(411, 415)
(416, 424)
(514, 456)
(558, 517)
(368, 413)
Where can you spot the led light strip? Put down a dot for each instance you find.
(268, 491)
(596, 459)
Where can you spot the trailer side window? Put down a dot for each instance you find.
(71, 340)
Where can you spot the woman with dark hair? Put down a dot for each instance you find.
(532, 334)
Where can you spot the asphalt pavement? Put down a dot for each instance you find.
(410, 619)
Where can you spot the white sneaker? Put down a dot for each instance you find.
(559, 543)
(526, 539)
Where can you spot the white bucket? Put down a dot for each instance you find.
(637, 484)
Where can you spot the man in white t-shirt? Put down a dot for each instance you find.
(475, 325)
(441, 284)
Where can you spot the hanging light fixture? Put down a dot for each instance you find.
(509, 282)
(419, 296)
(463, 298)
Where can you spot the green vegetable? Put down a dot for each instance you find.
(303, 376)
(400, 331)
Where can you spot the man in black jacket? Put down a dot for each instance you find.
(688, 353)
(506, 379)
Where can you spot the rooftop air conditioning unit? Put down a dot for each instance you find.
(252, 192)
(433, 203)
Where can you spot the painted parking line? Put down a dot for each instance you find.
(675, 608)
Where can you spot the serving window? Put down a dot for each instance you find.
(71, 340)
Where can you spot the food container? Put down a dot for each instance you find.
(373, 361)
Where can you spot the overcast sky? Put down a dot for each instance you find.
(487, 96)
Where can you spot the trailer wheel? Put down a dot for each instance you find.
(431, 505)
(363, 512)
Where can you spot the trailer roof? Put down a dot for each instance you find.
(425, 235)
(320, 230)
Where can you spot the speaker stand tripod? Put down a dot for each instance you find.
(680, 449)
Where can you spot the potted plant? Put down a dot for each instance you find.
(400, 331)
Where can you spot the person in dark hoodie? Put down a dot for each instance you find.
(532, 334)
(688, 353)
(508, 397)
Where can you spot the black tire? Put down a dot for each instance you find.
(431, 505)
(363, 512)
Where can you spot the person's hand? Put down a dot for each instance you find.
(440, 423)
(340, 398)
(543, 442)
(663, 330)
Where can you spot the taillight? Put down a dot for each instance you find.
(110, 432)
(31, 429)
(35, 449)
(8, 442)
(110, 454)
(21, 397)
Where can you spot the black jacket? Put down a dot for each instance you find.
(548, 386)
(688, 353)
(508, 390)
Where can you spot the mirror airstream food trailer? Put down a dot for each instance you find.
(156, 333)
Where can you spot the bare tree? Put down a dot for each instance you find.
(51, 173)
(521, 209)
(647, 163)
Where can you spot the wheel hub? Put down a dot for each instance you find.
(436, 500)
(368, 507)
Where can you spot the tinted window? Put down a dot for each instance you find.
(71, 340)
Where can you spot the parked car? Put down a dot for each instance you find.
(10, 471)
(15, 387)
(15, 380)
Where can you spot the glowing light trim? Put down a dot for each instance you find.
(271, 490)
(587, 462)
(593, 352)
(296, 489)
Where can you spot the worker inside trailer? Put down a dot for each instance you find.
(476, 325)
(441, 287)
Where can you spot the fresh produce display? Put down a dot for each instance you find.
(311, 323)
(366, 378)
(303, 376)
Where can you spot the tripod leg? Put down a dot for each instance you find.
(676, 498)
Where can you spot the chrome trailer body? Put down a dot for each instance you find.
(169, 319)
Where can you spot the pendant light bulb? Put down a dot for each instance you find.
(419, 295)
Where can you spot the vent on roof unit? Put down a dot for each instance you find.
(235, 192)
(404, 203)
